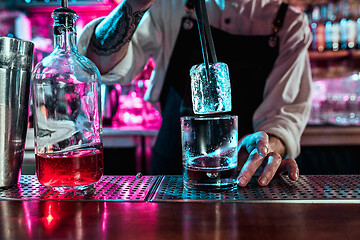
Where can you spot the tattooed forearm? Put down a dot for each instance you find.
(110, 38)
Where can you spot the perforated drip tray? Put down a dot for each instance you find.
(311, 187)
(109, 188)
(170, 188)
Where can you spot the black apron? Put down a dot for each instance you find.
(250, 60)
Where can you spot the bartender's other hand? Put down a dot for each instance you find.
(259, 149)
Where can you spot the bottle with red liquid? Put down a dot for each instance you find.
(67, 111)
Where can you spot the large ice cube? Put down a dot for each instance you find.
(210, 95)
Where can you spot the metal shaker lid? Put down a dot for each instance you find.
(16, 53)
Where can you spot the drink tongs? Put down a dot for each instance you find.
(205, 35)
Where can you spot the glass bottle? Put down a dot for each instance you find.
(67, 111)
(347, 26)
(351, 25)
(332, 28)
(357, 14)
(318, 30)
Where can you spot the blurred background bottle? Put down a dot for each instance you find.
(335, 25)
(318, 28)
(332, 28)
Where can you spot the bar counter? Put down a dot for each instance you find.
(158, 207)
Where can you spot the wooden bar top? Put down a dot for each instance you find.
(177, 220)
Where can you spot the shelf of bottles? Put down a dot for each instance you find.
(335, 25)
(335, 62)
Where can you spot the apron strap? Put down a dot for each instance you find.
(189, 6)
(279, 20)
(278, 23)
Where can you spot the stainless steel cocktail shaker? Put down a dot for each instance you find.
(15, 70)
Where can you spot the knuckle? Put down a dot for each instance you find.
(276, 158)
(275, 155)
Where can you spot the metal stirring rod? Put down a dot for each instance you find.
(200, 17)
(64, 3)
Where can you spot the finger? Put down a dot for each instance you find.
(249, 168)
(291, 167)
(262, 143)
(270, 169)
(242, 157)
(258, 140)
(243, 154)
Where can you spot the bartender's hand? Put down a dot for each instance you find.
(261, 149)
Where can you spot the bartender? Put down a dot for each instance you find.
(264, 43)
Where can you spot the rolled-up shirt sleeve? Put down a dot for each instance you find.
(287, 95)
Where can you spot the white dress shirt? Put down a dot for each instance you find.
(287, 95)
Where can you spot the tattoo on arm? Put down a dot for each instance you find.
(116, 35)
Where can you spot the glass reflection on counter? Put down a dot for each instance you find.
(212, 222)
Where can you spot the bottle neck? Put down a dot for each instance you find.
(65, 41)
(65, 30)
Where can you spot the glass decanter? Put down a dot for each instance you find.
(67, 111)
